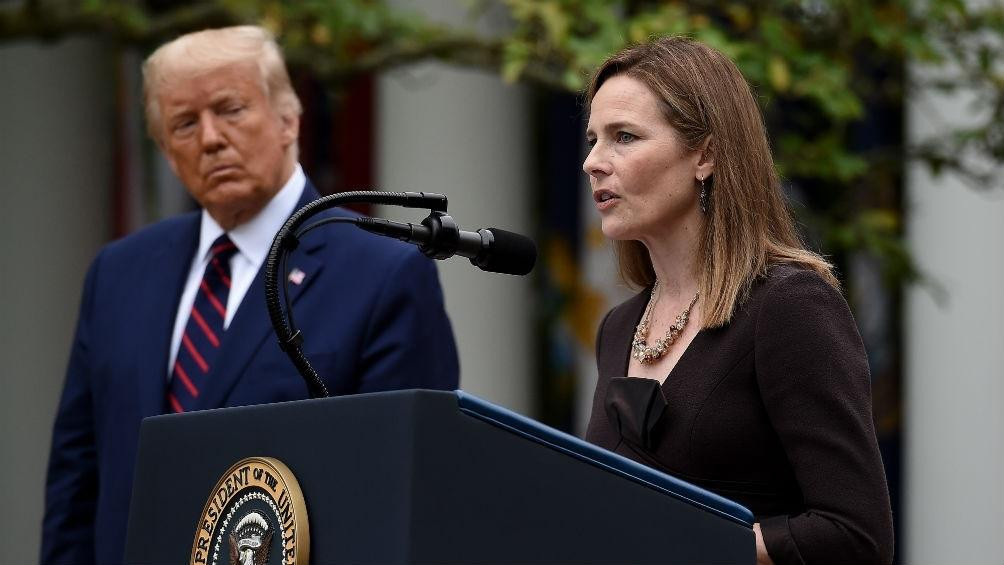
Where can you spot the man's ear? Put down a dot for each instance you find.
(290, 129)
(706, 160)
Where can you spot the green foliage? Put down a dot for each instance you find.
(820, 68)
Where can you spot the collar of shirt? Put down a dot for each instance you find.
(254, 237)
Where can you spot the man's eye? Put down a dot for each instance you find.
(625, 137)
(590, 141)
(232, 110)
(183, 127)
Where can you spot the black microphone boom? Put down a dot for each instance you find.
(438, 236)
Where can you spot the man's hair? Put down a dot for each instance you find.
(748, 226)
(211, 49)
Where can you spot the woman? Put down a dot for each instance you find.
(738, 367)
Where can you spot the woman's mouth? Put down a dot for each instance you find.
(604, 199)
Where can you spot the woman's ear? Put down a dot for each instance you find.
(706, 161)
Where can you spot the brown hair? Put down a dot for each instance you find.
(748, 226)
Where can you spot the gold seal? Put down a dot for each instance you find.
(255, 515)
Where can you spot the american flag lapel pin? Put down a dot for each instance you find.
(296, 276)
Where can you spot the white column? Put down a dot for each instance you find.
(464, 133)
(954, 357)
(56, 107)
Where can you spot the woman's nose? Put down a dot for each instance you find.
(595, 165)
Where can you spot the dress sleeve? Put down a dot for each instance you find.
(814, 379)
(598, 430)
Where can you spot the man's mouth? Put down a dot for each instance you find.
(221, 169)
(223, 174)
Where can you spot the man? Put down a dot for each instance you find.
(173, 317)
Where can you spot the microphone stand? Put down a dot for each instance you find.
(287, 239)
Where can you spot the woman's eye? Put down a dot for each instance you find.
(625, 137)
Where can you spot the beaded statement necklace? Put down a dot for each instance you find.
(639, 346)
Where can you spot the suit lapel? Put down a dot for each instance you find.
(171, 263)
(251, 327)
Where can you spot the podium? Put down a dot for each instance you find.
(428, 477)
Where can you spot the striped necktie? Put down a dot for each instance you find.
(203, 333)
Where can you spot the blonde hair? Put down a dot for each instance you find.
(211, 49)
(748, 226)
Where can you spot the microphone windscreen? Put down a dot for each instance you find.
(511, 254)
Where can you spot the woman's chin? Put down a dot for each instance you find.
(616, 231)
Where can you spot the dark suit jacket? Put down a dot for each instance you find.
(371, 311)
(772, 410)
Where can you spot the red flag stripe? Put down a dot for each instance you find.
(179, 372)
(205, 327)
(213, 300)
(195, 353)
(219, 271)
(174, 403)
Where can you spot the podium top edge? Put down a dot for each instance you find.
(530, 429)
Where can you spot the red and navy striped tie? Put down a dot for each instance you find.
(204, 331)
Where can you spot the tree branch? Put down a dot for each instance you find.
(126, 22)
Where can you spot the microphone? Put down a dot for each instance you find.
(438, 236)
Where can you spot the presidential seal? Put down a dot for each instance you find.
(255, 515)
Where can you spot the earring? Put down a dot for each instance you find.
(703, 198)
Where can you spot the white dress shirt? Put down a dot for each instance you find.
(252, 238)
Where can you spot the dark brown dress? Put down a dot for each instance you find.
(773, 411)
